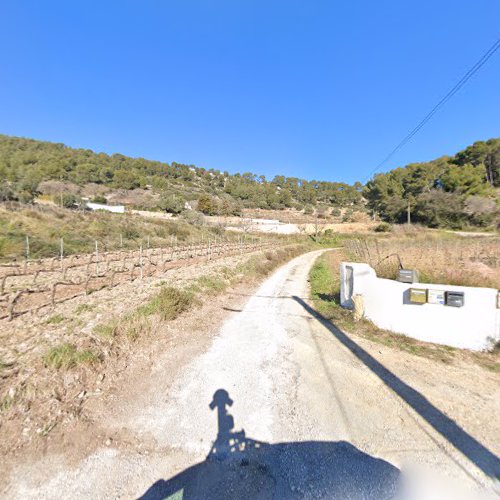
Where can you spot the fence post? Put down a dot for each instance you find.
(140, 259)
(61, 251)
(96, 257)
(27, 254)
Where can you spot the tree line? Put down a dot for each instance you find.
(26, 163)
(447, 192)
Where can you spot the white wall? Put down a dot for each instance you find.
(119, 209)
(475, 326)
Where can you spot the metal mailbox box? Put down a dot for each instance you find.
(408, 276)
(455, 299)
(418, 295)
(436, 296)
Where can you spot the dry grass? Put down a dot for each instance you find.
(73, 358)
(325, 293)
(171, 302)
(67, 356)
(45, 225)
(439, 257)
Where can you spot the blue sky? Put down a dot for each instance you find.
(313, 89)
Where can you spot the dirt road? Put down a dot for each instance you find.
(279, 405)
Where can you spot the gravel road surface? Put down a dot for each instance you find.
(278, 406)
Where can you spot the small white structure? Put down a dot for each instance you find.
(117, 209)
(475, 325)
(265, 221)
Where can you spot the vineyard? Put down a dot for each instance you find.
(29, 286)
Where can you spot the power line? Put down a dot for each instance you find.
(441, 103)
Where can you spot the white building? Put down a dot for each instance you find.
(117, 209)
(475, 325)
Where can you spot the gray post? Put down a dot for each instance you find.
(96, 257)
(61, 256)
(140, 260)
(27, 247)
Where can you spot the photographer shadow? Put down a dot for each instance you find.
(241, 467)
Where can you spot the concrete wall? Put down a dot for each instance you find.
(119, 209)
(475, 326)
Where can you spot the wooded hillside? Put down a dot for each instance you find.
(456, 192)
(446, 192)
(26, 163)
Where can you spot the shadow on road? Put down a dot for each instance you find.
(240, 467)
(483, 458)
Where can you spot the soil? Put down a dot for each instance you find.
(322, 413)
(38, 403)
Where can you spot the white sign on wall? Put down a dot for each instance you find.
(435, 297)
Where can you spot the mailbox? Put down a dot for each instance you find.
(436, 296)
(418, 295)
(408, 276)
(455, 299)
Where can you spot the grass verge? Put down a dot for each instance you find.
(171, 302)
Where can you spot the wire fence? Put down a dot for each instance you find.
(29, 286)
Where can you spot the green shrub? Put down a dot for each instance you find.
(56, 319)
(67, 200)
(169, 303)
(84, 308)
(134, 326)
(212, 283)
(171, 204)
(383, 227)
(348, 215)
(106, 331)
(100, 199)
(67, 356)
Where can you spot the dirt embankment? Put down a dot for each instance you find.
(332, 400)
(47, 388)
